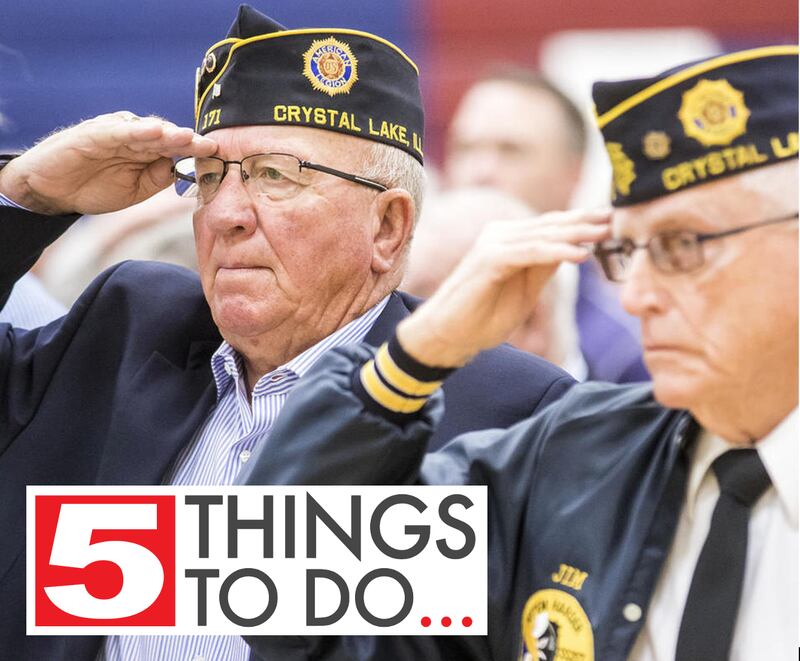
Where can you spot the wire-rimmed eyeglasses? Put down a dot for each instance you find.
(671, 251)
(274, 175)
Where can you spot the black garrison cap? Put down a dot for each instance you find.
(335, 79)
(699, 122)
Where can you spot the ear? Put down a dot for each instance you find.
(392, 229)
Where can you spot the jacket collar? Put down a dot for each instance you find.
(400, 305)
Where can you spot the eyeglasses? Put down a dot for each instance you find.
(274, 175)
(671, 252)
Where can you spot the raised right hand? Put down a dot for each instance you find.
(497, 284)
(100, 165)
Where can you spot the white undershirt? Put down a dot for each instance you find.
(767, 624)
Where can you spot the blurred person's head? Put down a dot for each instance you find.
(448, 228)
(705, 173)
(305, 212)
(515, 131)
(157, 229)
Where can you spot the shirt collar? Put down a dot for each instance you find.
(778, 450)
(228, 366)
(351, 333)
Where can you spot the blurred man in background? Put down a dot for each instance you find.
(516, 131)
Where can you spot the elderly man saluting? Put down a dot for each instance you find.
(634, 522)
(308, 184)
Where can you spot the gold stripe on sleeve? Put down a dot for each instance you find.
(399, 379)
(385, 396)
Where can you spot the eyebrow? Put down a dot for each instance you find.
(686, 222)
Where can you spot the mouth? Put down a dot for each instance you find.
(240, 267)
(660, 347)
(653, 351)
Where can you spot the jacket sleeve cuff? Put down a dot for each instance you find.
(395, 385)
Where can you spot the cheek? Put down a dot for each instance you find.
(708, 322)
(462, 170)
(318, 250)
(734, 323)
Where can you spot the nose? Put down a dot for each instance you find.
(642, 292)
(231, 210)
(485, 167)
(476, 166)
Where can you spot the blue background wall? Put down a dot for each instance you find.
(62, 61)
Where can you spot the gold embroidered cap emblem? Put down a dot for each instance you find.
(623, 170)
(656, 145)
(555, 627)
(713, 113)
(330, 66)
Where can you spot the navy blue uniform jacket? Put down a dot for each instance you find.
(594, 483)
(110, 393)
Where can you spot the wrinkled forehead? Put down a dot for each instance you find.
(711, 207)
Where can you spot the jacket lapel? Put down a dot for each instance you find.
(398, 308)
(166, 401)
(161, 408)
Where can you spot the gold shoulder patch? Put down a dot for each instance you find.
(330, 66)
(555, 627)
(713, 112)
(623, 170)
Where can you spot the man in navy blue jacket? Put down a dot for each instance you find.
(155, 376)
(648, 522)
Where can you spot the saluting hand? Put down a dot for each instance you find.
(100, 165)
(497, 284)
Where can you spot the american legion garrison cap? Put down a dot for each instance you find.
(334, 79)
(699, 122)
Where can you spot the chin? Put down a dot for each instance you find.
(679, 378)
(678, 390)
(242, 317)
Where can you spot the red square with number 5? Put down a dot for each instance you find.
(105, 560)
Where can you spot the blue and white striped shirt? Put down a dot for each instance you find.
(30, 305)
(8, 202)
(222, 445)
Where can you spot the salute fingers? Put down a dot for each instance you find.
(147, 138)
(100, 165)
(507, 246)
(498, 283)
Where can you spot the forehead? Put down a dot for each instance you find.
(506, 110)
(713, 206)
(304, 142)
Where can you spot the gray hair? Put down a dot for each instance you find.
(776, 182)
(395, 168)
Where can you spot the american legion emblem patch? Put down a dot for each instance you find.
(330, 66)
